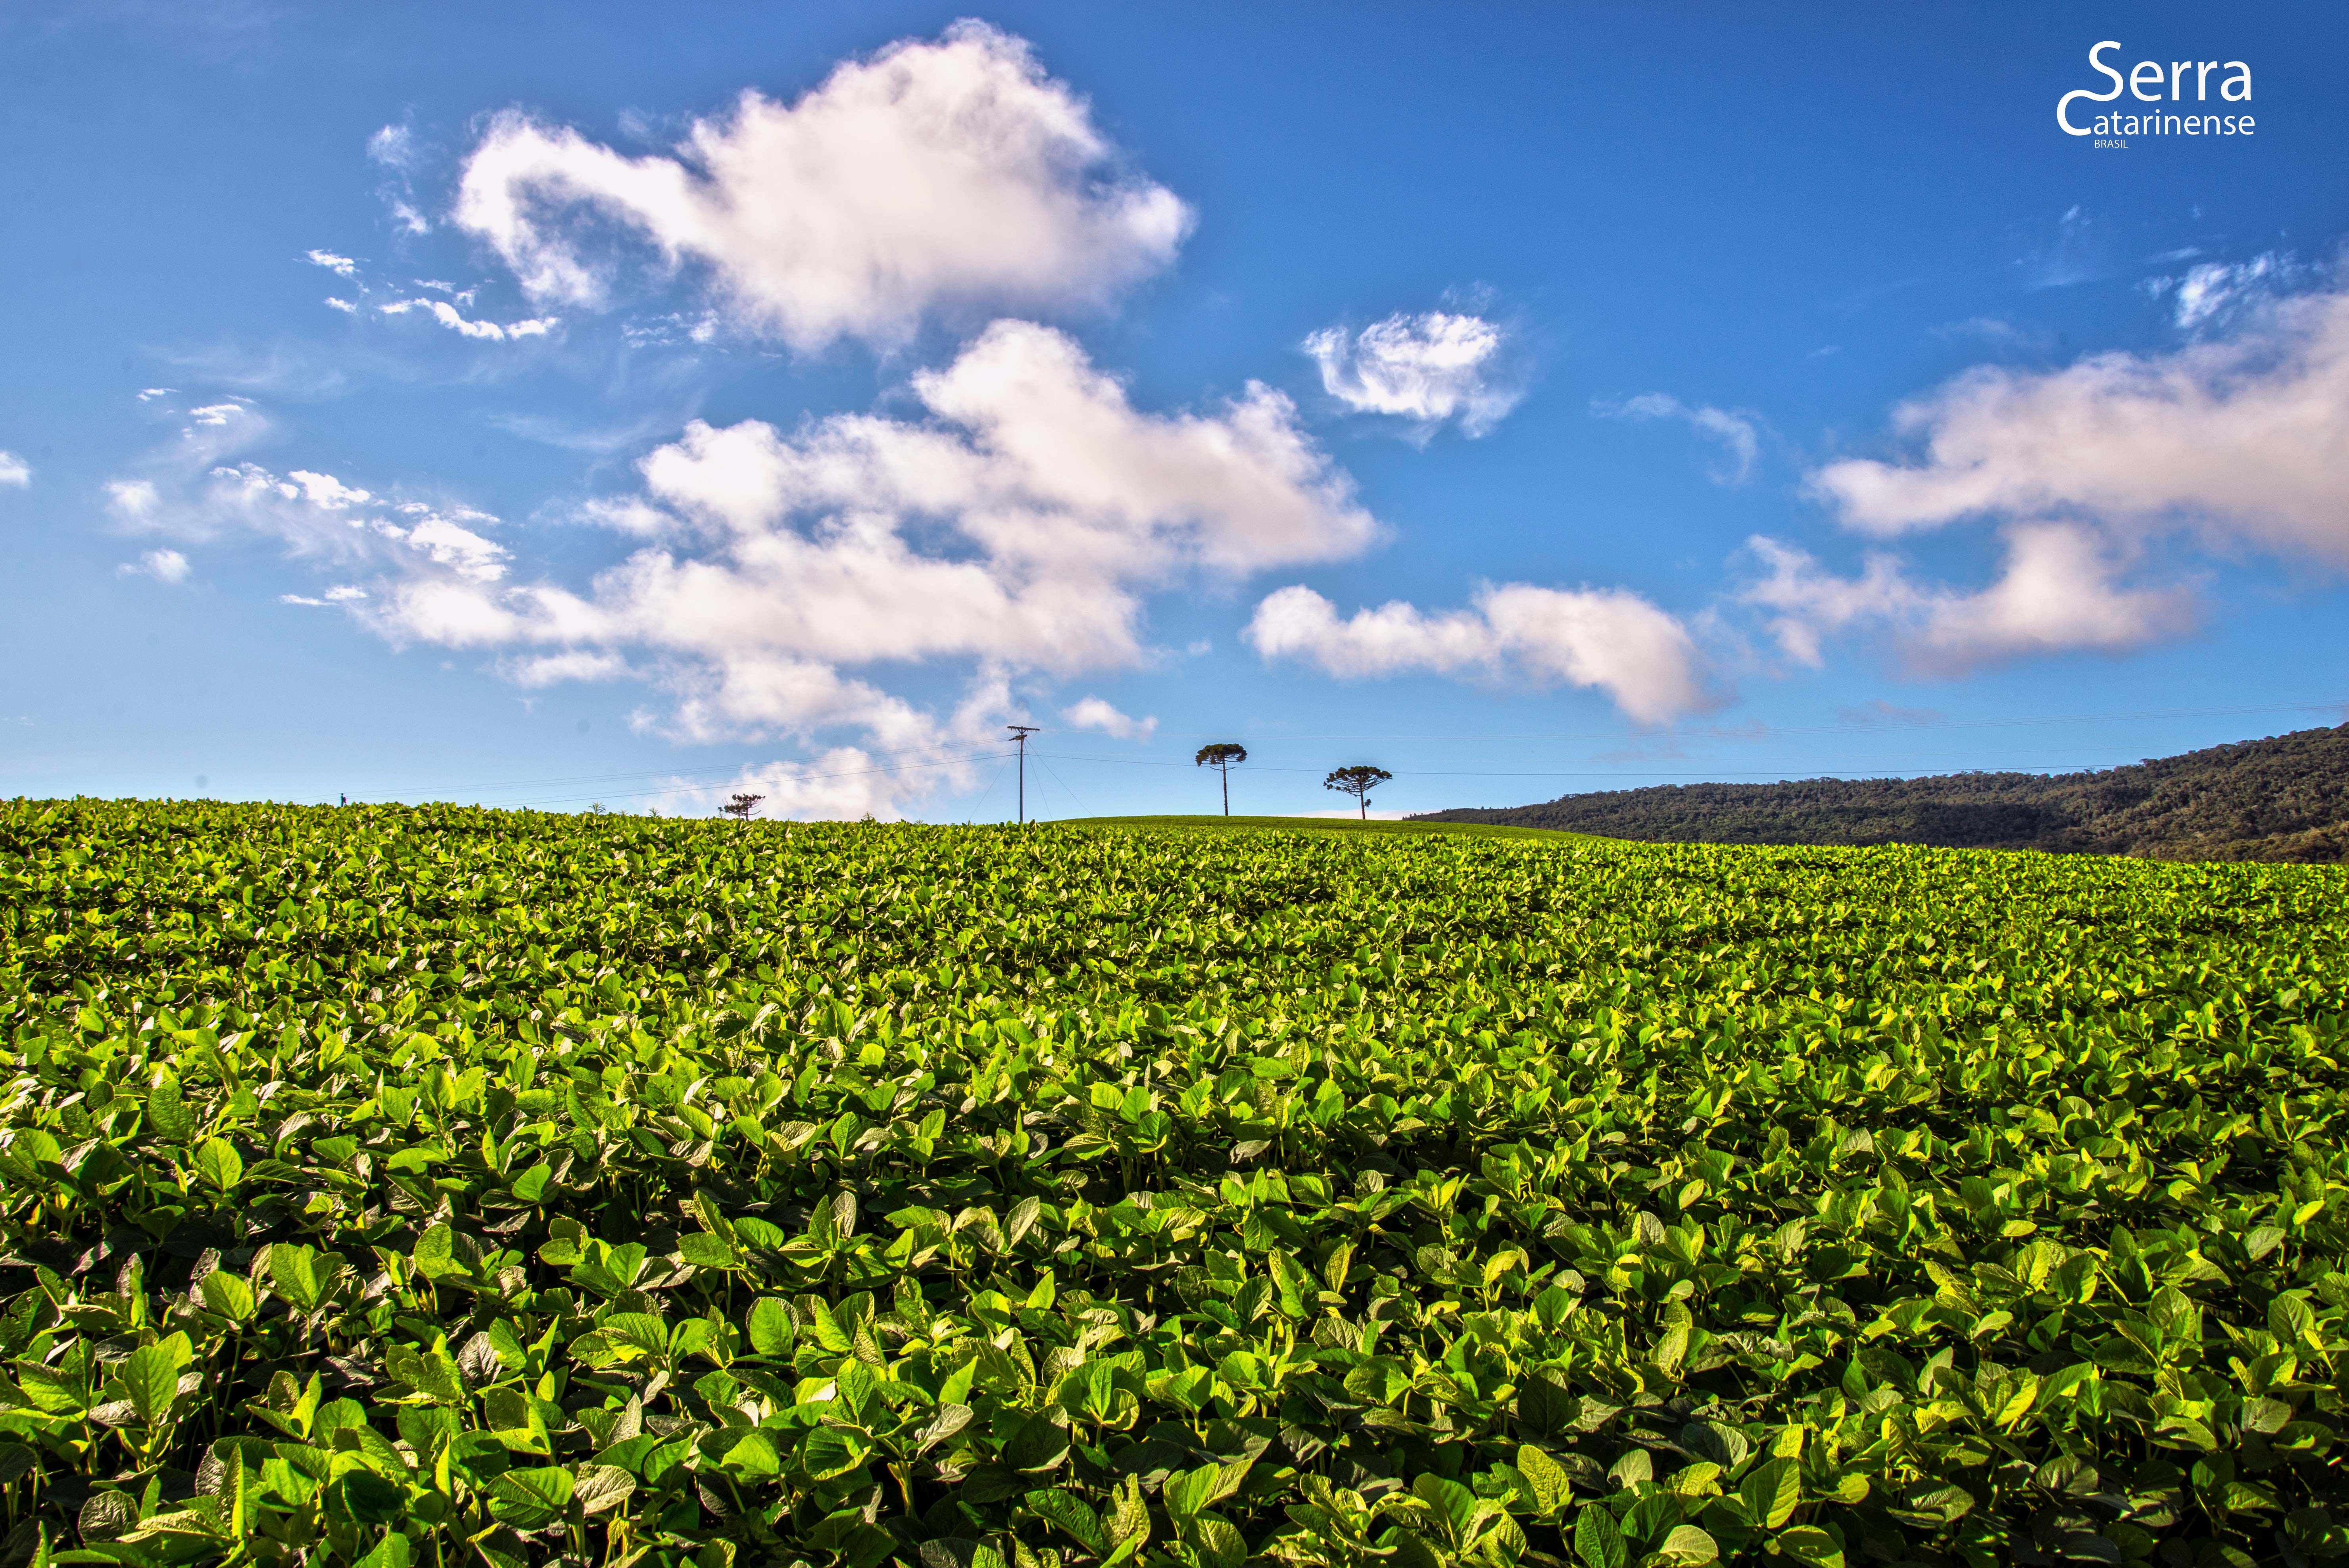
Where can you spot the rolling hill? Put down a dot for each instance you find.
(2282, 798)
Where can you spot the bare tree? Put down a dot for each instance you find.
(739, 808)
(1222, 756)
(1358, 782)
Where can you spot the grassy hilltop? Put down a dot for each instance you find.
(443, 1185)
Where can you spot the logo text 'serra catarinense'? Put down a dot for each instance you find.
(2153, 81)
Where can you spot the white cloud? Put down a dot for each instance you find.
(574, 664)
(2217, 292)
(1426, 369)
(15, 471)
(1737, 432)
(348, 306)
(163, 566)
(1020, 526)
(342, 266)
(2243, 441)
(953, 174)
(446, 314)
(1614, 641)
(195, 490)
(1094, 714)
(2059, 591)
(779, 582)
(394, 147)
(150, 393)
(845, 784)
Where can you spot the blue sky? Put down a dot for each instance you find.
(497, 404)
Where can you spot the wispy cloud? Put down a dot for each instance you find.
(2218, 292)
(446, 315)
(16, 473)
(1879, 712)
(2076, 252)
(1738, 433)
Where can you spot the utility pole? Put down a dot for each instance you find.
(1020, 732)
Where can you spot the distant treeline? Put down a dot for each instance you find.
(2283, 798)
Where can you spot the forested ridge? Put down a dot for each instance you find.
(2282, 798)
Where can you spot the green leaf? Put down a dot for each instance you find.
(1064, 1511)
(391, 1552)
(1039, 1443)
(531, 1185)
(1216, 1540)
(599, 1489)
(228, 1295)
(303, 1275)
(1552, 1488)
(529, 1498)
(1597, 1539)
(832, 1451)
(1771, 1492)
(1192, 1491)
(1687, 1544)
(771, 1326)
(167, 1112)
(150, 1378)
(1808, 1544)
(218, 1163)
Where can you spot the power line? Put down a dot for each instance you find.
(1572, 773)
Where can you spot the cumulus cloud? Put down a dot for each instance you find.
(341, 266)
(1427, 368)
(2060, 590)
(163, 566)
(1094, 714)
(1015, 525)
(1737, 433)
(935, 174)
(1639, 656)
(845, 784)
(2242, 440)
(446, 315)
(15, 471)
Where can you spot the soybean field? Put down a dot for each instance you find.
(438, 1186)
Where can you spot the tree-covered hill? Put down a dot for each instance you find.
(2282, 798)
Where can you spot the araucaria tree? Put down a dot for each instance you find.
(1222, 756)
(1358, 782)
(739, 808)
